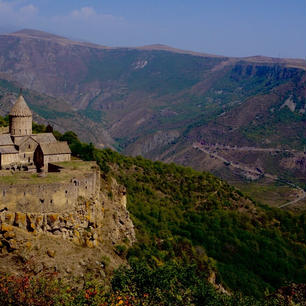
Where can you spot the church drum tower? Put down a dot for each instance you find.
(20, 118)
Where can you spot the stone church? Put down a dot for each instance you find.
(23, 150)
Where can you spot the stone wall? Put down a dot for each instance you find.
(103, 221)
(7, 159)
(51, 197)
(56, 158)
(71, 210)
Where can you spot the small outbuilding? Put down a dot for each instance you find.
(8, 153)
(8, 156)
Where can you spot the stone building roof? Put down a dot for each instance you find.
(18, 140)
(6, 140)
(44, 137)
(60, 147)
(39, 138)
(20, 108)
(8, 150)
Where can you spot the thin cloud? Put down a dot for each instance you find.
(88, 15)
(12, 13)
(29, 10)
(87, 22)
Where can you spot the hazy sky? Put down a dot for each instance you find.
(227, 27)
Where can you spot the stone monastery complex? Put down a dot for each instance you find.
(23, 150)
(37, 174)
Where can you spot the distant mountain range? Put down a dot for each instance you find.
(158, 101)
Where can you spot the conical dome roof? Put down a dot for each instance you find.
(20, 108)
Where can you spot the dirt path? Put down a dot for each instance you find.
(301, 196)
(243, 149)
(256, 172)
(230, 163)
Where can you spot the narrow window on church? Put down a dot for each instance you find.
(20, 132)
(29, 147)
(24, 155)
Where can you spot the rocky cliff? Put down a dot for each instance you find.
(90, 237)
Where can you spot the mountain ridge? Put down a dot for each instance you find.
(157, 103)
(297, 62)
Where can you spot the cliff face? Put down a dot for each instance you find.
(71, 243)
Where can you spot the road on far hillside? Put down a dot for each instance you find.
(255, 172)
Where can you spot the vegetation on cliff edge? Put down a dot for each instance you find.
(192, 217)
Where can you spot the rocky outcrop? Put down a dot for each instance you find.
(81, 226)
(84, 225)
(295, 162)
(71, 243)
(117, 224)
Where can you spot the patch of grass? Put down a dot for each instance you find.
(71, 169)
(28, 178)
(76, 165)
(272, 193)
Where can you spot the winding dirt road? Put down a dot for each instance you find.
(255, 172)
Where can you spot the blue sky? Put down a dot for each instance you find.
(228, 27)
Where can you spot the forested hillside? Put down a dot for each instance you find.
(197, 237)
(192, 218)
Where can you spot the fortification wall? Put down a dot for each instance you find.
(51, 197)
(89, 222)
(56, 158)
